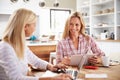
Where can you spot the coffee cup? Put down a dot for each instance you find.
(105, 61)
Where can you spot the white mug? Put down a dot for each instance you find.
(105, 61)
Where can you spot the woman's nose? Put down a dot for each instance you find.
(74, 27)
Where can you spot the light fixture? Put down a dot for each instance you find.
(56, 3)
(42, 3)
(26, 1)
(14, 1)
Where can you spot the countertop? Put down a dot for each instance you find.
(39, 43)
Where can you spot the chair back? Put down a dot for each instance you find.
(52, 58)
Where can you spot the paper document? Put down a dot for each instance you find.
(49, 74)
(95, 75)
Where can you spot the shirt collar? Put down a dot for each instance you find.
(80, 37)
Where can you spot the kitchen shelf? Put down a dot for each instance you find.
(101, 12)
(103, 2)
(104, 27)
(107, 40)
(85, 6)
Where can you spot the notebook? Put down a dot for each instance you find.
(74, 73)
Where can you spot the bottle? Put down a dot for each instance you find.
(112, 36)
(106, 33)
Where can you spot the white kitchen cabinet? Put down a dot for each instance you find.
(101, 16)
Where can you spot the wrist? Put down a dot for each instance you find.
(49, 67)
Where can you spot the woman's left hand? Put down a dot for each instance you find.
(94, 60)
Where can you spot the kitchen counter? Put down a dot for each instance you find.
(39, 43)
(42, 49)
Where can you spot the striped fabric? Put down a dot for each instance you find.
(3, 75)
(14, 69)
(65, 47)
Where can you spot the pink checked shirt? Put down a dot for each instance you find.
(65, 47)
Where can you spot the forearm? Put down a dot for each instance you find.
(49, 67)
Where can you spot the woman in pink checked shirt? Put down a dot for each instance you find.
(75, 41)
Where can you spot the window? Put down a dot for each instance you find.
(58, 18)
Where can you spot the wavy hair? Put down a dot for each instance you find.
(66, 32)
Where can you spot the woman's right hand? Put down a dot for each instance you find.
(66, 61)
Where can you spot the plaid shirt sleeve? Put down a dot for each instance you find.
(59, 52)
(95, 49)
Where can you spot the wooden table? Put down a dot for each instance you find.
(113, 73)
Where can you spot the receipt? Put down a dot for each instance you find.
(96, 76)
(49, 74)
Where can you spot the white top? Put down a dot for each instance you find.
(13, 67)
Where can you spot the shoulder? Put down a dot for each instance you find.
(63, 41)
(88, 38)
(4, 45)
(5, 48)
(84, 37)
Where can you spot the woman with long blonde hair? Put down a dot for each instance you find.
(15, 55)
(76, 42)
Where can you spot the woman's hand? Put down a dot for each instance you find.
(95, 60)
(56, 67)
(66, 61)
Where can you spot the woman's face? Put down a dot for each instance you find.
(75, 26)
(29, 29)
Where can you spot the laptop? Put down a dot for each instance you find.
(74, 73)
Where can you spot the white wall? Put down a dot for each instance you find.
(6, 5)
(43, 23)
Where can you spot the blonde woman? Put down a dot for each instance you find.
(15, 55)
(75, 41)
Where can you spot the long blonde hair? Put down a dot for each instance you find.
(14, 33)
(66, 32)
